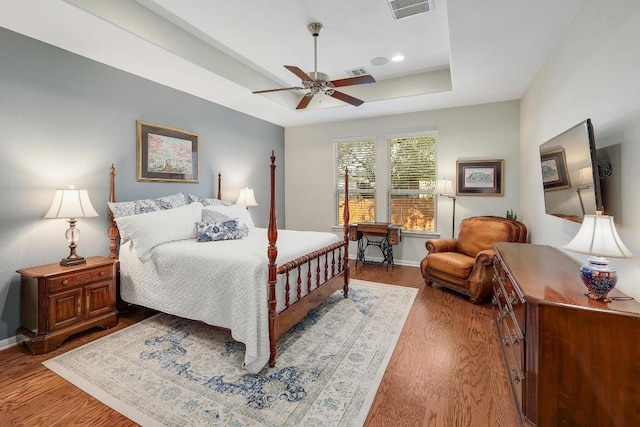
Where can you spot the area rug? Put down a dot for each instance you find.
(169, 371)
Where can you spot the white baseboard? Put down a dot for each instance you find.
(352, 257)
(10, 342)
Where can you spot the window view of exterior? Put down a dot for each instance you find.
(409, 183)
(412, 170)
(359, 158)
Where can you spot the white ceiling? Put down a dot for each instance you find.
(462, 52)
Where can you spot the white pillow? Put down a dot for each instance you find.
(235, 211)
(148, 230)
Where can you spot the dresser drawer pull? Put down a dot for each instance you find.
(505, 341)
(65, 282)
(515, 376)
(513, 298)
(514, 338)
(101, 273)
(498, 292)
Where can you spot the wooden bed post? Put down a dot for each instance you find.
(113, 228)
(345, 229)
(219, 191)
(272, 254)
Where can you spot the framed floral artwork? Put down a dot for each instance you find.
(166, 154)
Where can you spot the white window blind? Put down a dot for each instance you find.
(359, 158)
(412, 176)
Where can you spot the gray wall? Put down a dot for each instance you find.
(65, 119)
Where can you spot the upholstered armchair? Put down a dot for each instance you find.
(465, 264)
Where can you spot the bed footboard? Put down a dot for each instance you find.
(328, 263)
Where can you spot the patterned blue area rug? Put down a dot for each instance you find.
(174, 372)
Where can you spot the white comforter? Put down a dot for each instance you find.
(220, 283)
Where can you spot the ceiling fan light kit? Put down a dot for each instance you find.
(318, 83)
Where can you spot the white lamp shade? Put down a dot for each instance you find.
(598, 236)
(443, 187)
(586, 177)
(71, 203)
(246, 198)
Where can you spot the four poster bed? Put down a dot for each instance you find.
(228, 283)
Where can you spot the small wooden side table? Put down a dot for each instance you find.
(59, 301)
(385, 237)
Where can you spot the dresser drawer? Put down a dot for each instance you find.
(79, 278)
(508, 294)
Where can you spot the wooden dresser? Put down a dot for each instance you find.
(572, 361)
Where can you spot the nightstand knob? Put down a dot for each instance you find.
(101, 273)
(65, 282)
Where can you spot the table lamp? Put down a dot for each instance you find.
(598, 238)
(71, 203)
(246, 198)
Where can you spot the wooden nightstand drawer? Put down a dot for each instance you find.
(72, 280)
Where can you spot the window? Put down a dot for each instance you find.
(359, 158)
(412, 176)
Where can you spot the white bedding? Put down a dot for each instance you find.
(221, 283)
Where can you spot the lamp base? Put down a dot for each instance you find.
(73, 261)
(598, 277)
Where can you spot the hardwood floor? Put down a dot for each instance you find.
(446, 369)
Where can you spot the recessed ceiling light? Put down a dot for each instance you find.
(380, 60)
(397, 58)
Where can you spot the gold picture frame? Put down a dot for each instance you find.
(166, 154)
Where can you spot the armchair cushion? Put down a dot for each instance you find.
(465, 264)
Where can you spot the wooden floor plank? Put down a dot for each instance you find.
(446, 369)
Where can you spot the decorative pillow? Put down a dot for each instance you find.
(235, 211)
(136, 207)
(207, 201)
(148, 230)
(120, 209)
(211, 216)
(215, 231)
(161, 203)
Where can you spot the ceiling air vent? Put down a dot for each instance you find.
(405, 8)
(356, 72)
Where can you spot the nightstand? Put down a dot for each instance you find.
(59, 301)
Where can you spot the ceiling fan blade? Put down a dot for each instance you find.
(298, 72)
(347, 98)
(350, 81)
(275, 90)
(304, 101)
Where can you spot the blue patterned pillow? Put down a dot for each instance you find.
(212, 216)
(207, 201)
(214, 231)
(162, 203)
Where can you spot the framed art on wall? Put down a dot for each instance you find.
(480, 177)
(166, 154)
(554, 170)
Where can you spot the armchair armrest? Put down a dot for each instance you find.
(441, 245)
(485, 257)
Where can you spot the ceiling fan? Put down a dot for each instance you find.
(317, 82)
